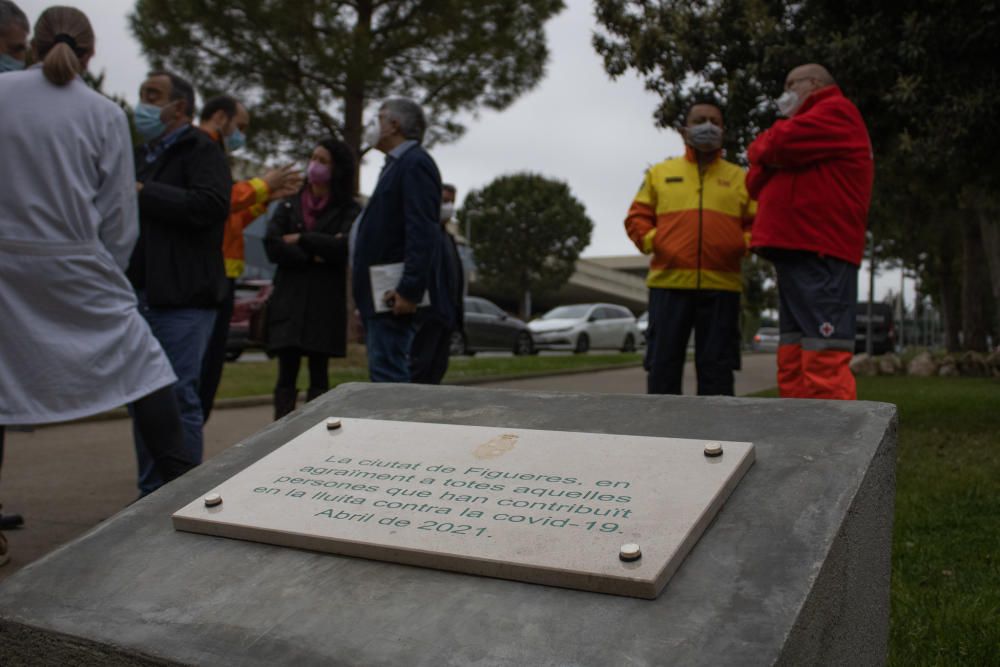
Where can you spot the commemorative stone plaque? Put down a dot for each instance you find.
(606, 513)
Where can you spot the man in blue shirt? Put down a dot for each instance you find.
(400, 225)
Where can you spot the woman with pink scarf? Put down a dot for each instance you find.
(307, 237)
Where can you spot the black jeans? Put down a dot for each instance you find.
(157, 419)
(715, 317)
(215, 353)
(430, 352)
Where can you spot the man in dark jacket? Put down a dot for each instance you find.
(811, 174)
(397, 239)
(176, 267)
(432, 344)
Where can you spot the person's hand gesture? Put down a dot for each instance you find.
(283, 181)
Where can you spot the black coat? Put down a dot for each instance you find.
(183, 207)
(308, 308)
(450, 273)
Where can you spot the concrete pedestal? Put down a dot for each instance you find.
(795, 569)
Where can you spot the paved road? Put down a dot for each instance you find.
(67, 479)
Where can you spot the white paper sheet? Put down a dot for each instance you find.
(385, 277)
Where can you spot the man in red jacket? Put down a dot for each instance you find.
(811, 174)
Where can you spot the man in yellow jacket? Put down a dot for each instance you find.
(226, 120)
(693, 215)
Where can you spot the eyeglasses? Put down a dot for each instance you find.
(792, 82)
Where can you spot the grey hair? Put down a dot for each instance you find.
(11, 13)
(409, 115)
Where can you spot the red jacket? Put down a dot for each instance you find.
(812, 178)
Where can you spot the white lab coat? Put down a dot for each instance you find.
(72, 342)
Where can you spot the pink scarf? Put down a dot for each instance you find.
(312, 207)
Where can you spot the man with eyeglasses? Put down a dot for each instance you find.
(811, 174)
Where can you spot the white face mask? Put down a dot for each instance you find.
(373, 132)
(447, 211)
(788, 103)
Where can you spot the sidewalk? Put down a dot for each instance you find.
(67, 479)
(759, 373)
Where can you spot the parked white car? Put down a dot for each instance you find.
(584, 326)
(643, 324)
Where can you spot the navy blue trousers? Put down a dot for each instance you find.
(430, 353)
(715, 317)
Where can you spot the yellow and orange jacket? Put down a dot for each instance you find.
(247, 202)
(696, 225)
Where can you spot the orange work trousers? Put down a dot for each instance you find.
(815, 373)
(816, 307)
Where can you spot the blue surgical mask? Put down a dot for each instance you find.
(705, 137)
(236, 140)
(9, 63)
(147, 121)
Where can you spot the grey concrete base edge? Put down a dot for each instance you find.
(795, 569)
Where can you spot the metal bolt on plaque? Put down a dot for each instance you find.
(213, 500)
(332, 424)
(630, 552)
(713, 449)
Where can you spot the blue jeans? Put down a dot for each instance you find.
(388, 340)
(184, 334)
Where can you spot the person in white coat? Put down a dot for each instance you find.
(72, 342)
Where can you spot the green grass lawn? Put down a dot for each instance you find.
(256, 378)
(946, 540)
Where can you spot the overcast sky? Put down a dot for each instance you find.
(577, 125)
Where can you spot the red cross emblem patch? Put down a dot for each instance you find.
(826, 329)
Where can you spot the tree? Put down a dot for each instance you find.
(96, 81)
(760, 293)
(736, 51)
(312, 68)
(528, 232)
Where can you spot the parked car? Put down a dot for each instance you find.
(488, 327)
(883, 328)
(585, 326)
(246, 325)
(766, 339)
(642, 324)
